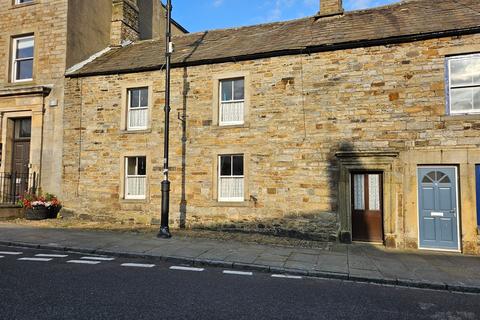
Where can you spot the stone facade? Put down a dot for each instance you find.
(65, 33)
(309, 119)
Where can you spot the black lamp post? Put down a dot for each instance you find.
(164, 229)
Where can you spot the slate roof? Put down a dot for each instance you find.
(404, 21)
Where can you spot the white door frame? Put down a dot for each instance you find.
(459, 238)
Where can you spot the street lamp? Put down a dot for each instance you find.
(164, 232)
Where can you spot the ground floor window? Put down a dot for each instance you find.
(135, 177)
(231, 178)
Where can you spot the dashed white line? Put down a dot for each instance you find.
(285, 276)
(36, 259)
(137, 265)
(97, 258)
(2, 257)
(239, 273)
(83, 262)
(9, 253)
(187, 269)
(51, 255)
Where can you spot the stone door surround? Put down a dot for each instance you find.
(374, 161)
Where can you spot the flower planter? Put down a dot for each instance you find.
(37, 213)
(53, 212)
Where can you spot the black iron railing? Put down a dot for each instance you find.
(13, 186)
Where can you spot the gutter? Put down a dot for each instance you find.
(296, 51)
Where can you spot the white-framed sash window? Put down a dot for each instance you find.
(135, 177)
(464, 84)
(232, 102)
(138, 109)
(22, 1)
(231, 178)
(22, 58)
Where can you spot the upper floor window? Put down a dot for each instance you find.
(231, 178)
(135, 177)
(232, 101)
(22, 59)
(138, 104)
(22, 1)
(464, 84)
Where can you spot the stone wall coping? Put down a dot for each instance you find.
(25, 90)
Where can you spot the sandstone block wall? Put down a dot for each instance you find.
(302, 110)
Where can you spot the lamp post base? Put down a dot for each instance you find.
(164, 233)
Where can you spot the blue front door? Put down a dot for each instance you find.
(438, 214)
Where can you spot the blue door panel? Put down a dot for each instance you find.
(429, 229)
(446, 227)
(445, 199)
(428, 198)
(438, 211)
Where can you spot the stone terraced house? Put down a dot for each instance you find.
(361, 125)
(39, 40)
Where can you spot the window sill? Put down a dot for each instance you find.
(136, 131)
(20, 83)
(233, 126)
(21, 5)
(225, 204)
(133, 201)
(453, 117)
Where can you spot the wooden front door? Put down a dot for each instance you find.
(21, 146)
(367, 207)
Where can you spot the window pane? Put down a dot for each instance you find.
(239, 89)
(474, 69)
(144, 97)
(461, 99)
(25, 128)
(238, 165)
(24, 48)
(459, 74)
(24, 70)
(359, 191)
(134, 98)
(227, 90)
(142, 166)
(374, 192)
(476, 98)
(132, 166)
(225, 165)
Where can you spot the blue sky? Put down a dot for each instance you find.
(200, 15)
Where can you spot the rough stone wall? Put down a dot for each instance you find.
(47, 20)
(302, 110)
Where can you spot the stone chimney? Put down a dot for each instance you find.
(330, 8)
(125, 24)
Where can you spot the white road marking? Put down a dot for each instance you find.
(2, 257)
(97, 258)
(51, 255)
(285, 276)
(239, 273)
(137, 265)
(8, 253)
(36, 259)
(187, 269)
(83, 262)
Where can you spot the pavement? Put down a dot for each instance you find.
(46, 284)
(357, 262)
